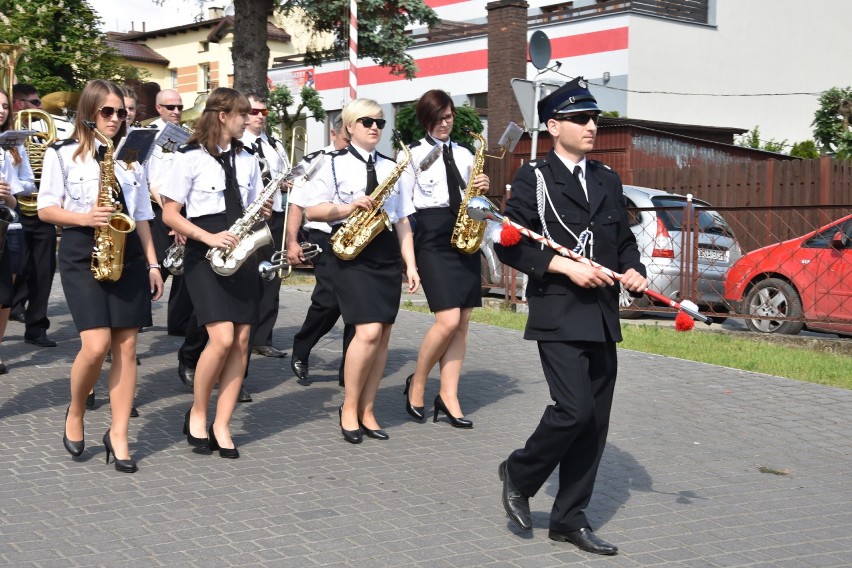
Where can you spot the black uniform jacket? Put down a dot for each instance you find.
(559, 309)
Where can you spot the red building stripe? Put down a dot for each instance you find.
(438, 3)
(571, 46)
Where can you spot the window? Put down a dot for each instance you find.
(203, 46)
(173, 78)
(479, 101)
(204, 78)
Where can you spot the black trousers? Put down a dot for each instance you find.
(572, 433)
(270, 290)
(323, 312)
(39, 268)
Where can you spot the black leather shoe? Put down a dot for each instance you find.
(517, 504)
(190, 439)
(227, 453)
(351, 436)
(3, 369)
(374, 434)
(18, 317)
(244, 396)
(40, 341)
(124, 466)
(133, 412)
(73, 447)
(300, 369)
(416, 412)
(584, 539)
(456, 422)
(269, 351)
(186, 374)
(90, 400)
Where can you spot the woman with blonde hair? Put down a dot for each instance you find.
(106, 313)
(214, 177)
(368, 287)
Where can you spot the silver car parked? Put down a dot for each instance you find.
(656, 218)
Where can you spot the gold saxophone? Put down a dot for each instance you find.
(363, 225)
(108, 256)
(467, 232)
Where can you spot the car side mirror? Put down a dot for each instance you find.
(840, 241)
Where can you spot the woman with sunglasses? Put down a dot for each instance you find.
(450, 277)
(16, 176)
(368, 287)
(107, 315)
(214, 177)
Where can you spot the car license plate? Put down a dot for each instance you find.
(713, 254)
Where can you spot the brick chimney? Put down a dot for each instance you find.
(214, 12)
(507, 60)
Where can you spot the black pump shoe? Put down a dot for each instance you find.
(90, 400)
(192, 440)
(75, 448)
(374, 434)
(229, 453)
(124, 466)
(416, 412)
(456, 422)
(351, 436)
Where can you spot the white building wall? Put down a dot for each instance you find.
(758, 46)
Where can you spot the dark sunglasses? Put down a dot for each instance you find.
(172, 107)
(259, 111)
(34, 102)
(581, 119)
(107, 112)
(369, 122)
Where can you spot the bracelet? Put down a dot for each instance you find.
(153, 266)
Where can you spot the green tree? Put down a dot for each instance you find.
(831, 122)
(65, 48)
(751, 139)
(280, 101)
(806, 149)
(466, 120)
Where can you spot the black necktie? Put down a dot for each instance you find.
(454, 182)
(233, 202)
(101, 153)
(578, 172)
(265, 174)
(118, 196)
(372, 179)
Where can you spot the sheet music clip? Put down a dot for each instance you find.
(136, 146)
(172, 136)
(12, 138)
(508, 140)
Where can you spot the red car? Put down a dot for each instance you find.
(807, 278)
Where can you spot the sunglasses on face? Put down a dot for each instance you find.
(170, 108)
(581, 119)
(259, 111)
(107, 112)
(369, 122)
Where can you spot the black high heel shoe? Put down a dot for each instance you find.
(374, 434)
(90, 400)
(72, 447)
(416, 412)
(124, 466)
(351, 436)
(192, 440)
(456, 422)
(229, 453)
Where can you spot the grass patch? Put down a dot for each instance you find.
(745, 353)
(300, 278)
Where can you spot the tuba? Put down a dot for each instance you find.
(24, 120)
(467, 232)
(108, 256)
(362, 226)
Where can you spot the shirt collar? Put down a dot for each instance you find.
(361, 153)
(570, 165)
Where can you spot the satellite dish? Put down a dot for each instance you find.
(540, 50)
(229, 11)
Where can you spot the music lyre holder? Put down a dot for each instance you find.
(171, 136)
(12, 138)
(508, 140)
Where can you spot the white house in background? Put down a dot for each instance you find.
(680, 61)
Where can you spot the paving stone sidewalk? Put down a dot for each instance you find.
(686, 479)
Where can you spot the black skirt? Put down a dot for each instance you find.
(6, 278)
(369, 286)
(94, 304)
(231, 298)
(450, 278)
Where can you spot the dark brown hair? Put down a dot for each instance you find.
(430, 107)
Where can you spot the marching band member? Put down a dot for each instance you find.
(323, 312)
(215, 178)
(368, 287)
(450, 278)
(107, 314)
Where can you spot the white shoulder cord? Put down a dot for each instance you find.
(586, 237)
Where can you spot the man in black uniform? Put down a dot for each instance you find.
(573, 312)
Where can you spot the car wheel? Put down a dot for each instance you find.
(773, 298)
(628, 306)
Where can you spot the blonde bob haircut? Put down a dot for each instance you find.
(359, 108)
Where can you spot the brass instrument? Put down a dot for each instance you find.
(298, 133)
(108, 256)
(173, 262)
(467, 232)
(35, 148)
(362, 226)
(9, 54)
(226, 261)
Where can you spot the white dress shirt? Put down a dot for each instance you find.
(275, 158)
(429, 188)
(299, 192)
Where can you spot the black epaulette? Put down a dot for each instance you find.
(338, 153)
(415, 144)
(310, 157)
(60, 143)
(467, 147)
(595, 163)
(183, 148)
(273, 142)
(249, 150)
(537, 163)
(385, 157)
